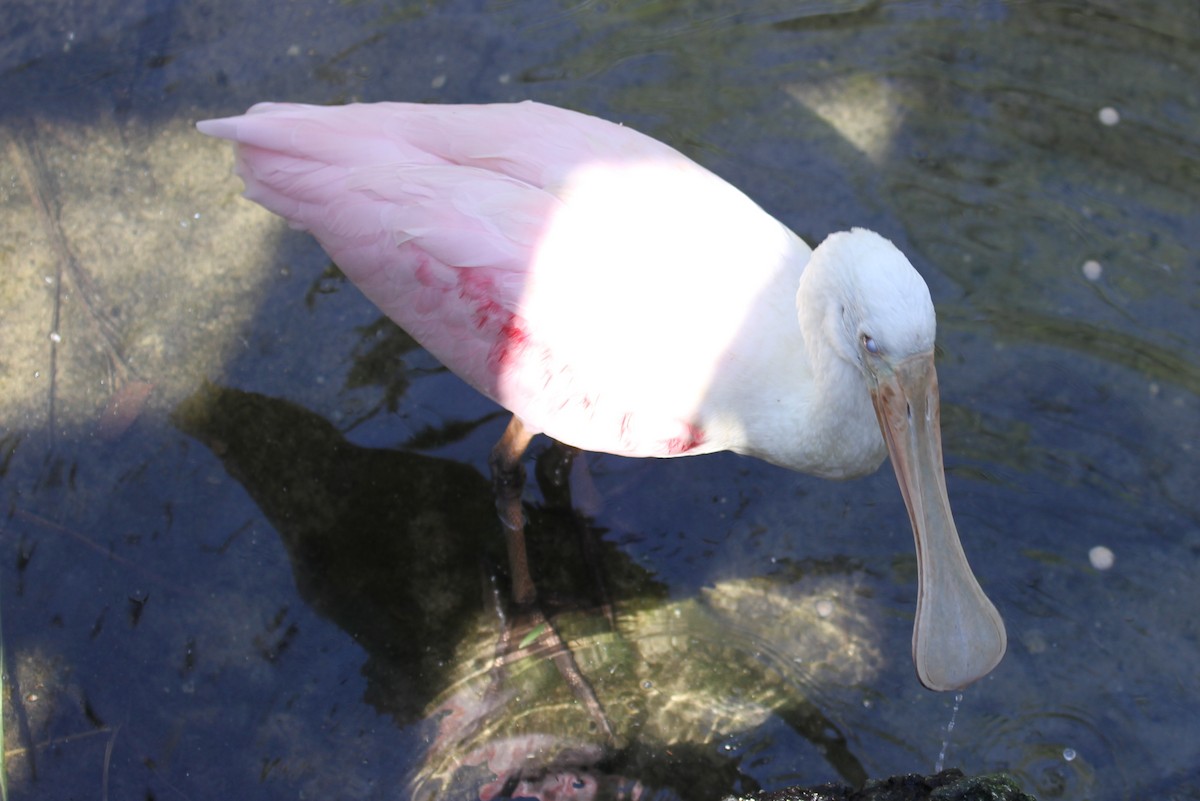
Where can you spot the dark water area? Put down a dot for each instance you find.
(247, 546)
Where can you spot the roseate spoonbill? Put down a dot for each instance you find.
(619, 297)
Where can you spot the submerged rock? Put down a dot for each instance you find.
(949, 785)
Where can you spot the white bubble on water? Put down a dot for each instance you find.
(1102, 558)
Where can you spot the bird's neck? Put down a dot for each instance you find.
(810, 409)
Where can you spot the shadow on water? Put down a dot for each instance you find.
(399, 550)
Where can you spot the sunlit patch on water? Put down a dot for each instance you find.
(678, 683)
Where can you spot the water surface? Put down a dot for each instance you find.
(249, 545)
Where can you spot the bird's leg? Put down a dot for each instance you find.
(508, 480)
(553, 471)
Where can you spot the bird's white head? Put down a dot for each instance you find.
(874, 302)
(861, 302)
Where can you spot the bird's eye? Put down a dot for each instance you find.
(870, 344)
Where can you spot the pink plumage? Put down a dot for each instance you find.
(458, 221)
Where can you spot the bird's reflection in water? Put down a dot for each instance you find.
(565, 701)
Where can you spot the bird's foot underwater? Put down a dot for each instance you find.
(529, 634)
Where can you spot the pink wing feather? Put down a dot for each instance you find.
(442, 216)
(405, 196)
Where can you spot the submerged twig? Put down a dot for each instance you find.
(108, 749)
(38, 185)
(25, 168)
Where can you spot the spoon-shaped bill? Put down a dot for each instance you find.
(958, 636)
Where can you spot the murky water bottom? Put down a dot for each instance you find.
(250, 547)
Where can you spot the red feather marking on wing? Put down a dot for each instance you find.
(694, 439)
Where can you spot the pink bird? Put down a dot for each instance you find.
(619, 297)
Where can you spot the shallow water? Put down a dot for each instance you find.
(249, 548)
